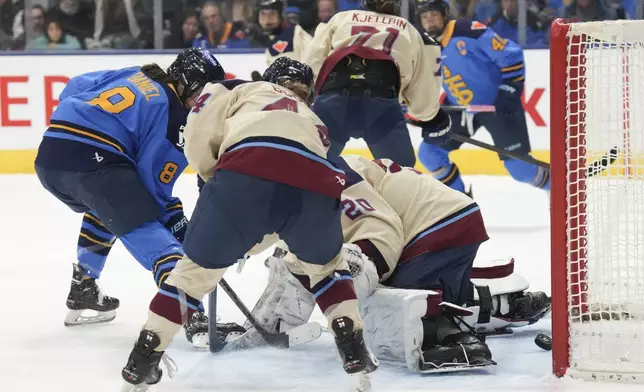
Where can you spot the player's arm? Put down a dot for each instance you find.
(319, 47)
(204, 127)
(508, 56)
(423, 92)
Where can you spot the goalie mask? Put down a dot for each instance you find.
(294, 75)
(193, 68)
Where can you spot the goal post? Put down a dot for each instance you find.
(597, 217)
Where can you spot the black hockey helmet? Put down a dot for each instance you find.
(441, 6)
(276, 5)
(285, 69)
(194, 68)
(390, 7)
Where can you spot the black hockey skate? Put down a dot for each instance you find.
(85, 295)
(356, 357)
(457, 351)
(196, 330)
(142, 368)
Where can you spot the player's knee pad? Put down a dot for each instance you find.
(528, 173)
(285, 303)
(393, 322)
(436, 160)
(498, 298)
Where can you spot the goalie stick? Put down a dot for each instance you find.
(293, 337)
(595, 168)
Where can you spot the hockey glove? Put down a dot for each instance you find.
(508, 98)
(177, 223)
(436, 130)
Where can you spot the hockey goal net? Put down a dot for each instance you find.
(597, 216)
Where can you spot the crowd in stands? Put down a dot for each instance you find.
(128, 24)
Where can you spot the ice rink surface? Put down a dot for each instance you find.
(38, 354)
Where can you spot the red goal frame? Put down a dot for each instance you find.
(569, 165)
(568, 183)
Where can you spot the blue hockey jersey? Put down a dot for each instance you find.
(119, 117)
(475, 61)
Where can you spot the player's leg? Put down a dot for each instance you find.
(510, 132)
(233, 213)
(386, 131)
(120, 200)
(436, 158)
(84, 293)
(313, 234)
(333, 109)
(94, 244)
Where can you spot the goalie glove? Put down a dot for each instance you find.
(363, 270)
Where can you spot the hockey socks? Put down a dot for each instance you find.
(436, 160)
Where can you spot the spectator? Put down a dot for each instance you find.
(242, 11)
(505, 24)
(55, 39)
(586, 10)
(219, 33)
(187, 34)
(464, 8)
(38, 23)
(8, 14)
(119, 24)
(76, 17)
(326, 9)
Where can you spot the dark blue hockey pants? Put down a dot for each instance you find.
(379, 121)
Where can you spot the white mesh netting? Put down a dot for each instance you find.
(605, 212)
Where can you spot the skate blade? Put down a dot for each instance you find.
(75, 318)
(362, 381)
(455, 367)
(127, 387)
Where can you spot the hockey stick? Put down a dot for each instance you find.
(215, 343)
(293, 337)
(500, 151)
(593, 169)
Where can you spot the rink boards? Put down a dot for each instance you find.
(30, 85)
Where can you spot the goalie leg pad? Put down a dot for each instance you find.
(285, 303)
(393, 325)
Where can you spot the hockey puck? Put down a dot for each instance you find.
(543, 341)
